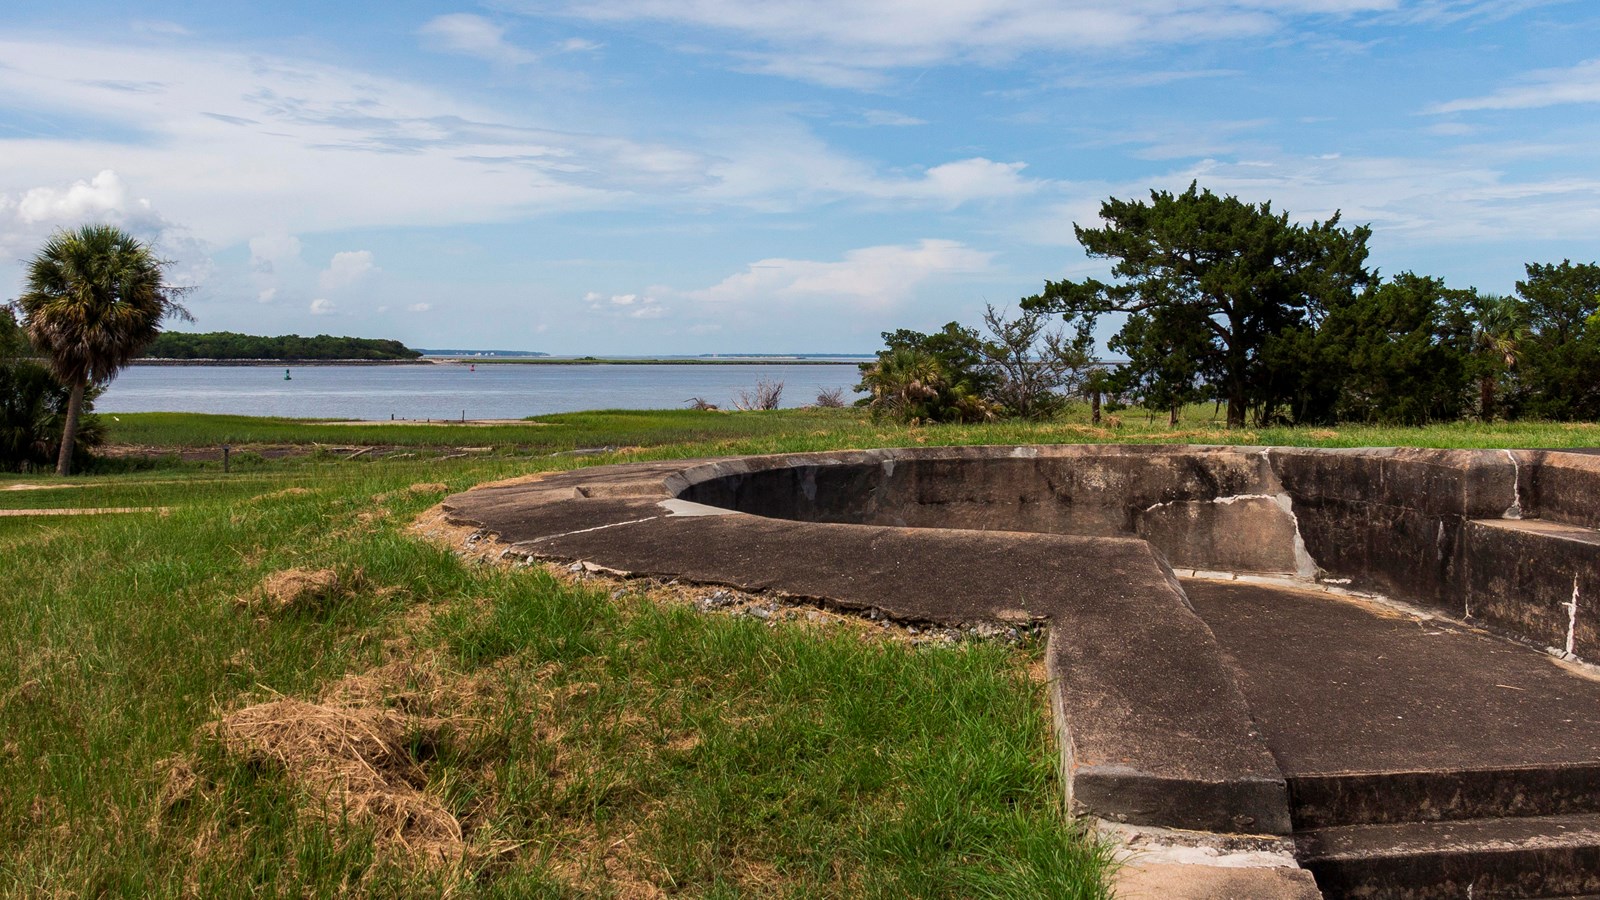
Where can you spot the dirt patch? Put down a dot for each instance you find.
(360, 759)
(286, 492)
(294, 590)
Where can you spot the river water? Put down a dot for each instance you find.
(450, 391)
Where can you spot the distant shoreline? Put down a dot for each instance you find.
(278, 363)
(657, 361)
(502, 361)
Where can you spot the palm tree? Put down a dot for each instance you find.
(1498, 328)
(94, 298)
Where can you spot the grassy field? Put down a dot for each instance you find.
(272, 686)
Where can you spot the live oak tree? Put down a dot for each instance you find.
(1213, 278)
(1560, 354)
(94, 298)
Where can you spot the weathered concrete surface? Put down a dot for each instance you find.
(1390, 521)
(1375, 716)
(1251, 533)
(1550, 856)
(1171, 881)
(1536, 578)
(1565, 487)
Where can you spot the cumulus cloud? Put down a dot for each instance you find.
(1548, 87)
(872, 277)
(632, 306)
(964, 181)
(471, 35)
(28, 216)
(102, 197)
(322, 307)
(345, 269)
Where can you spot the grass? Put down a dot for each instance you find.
(595, 743)
(686, 432)
(588, 740)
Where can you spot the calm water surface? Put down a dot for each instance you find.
(500, 391)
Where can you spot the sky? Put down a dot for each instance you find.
(722, 176)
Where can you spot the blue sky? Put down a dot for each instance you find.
(645, 176)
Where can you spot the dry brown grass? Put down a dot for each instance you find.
(294, 590)
(356, 760)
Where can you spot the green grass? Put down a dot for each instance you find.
(683, 432)
(601, 743)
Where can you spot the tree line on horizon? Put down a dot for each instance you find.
(1229, 302)
(283, 347)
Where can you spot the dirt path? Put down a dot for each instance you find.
(83, 511)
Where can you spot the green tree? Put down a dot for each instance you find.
(1164, 353)
(1398, 352)
(1235, 272)
(1560, 354)
(911, 384)
(94, 298)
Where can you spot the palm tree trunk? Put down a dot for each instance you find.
(69, 434)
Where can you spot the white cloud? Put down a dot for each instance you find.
(845, 43)
(1468, 196)
(1547, 87)
(873, 277)
(270, 251)
(322, 307)
(632, 306)
(236, 144)
(103, 197)
(963, 181)
(579, 45)
(28, 216)
(267, 295)
(345, 269)
(470, 35)
(419, 307)
(890, 118)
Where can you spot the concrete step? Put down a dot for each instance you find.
(1535, 578)
(1531, 857)
(1379, 798)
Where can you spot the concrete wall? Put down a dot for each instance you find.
(1506, 538)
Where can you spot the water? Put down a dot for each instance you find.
(497, 391)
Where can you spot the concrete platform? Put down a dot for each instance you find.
(1242, 709)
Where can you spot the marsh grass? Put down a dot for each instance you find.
(693, 432)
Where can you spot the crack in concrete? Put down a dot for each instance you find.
(1514, 511)
(1572, 618)
(551, 537)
